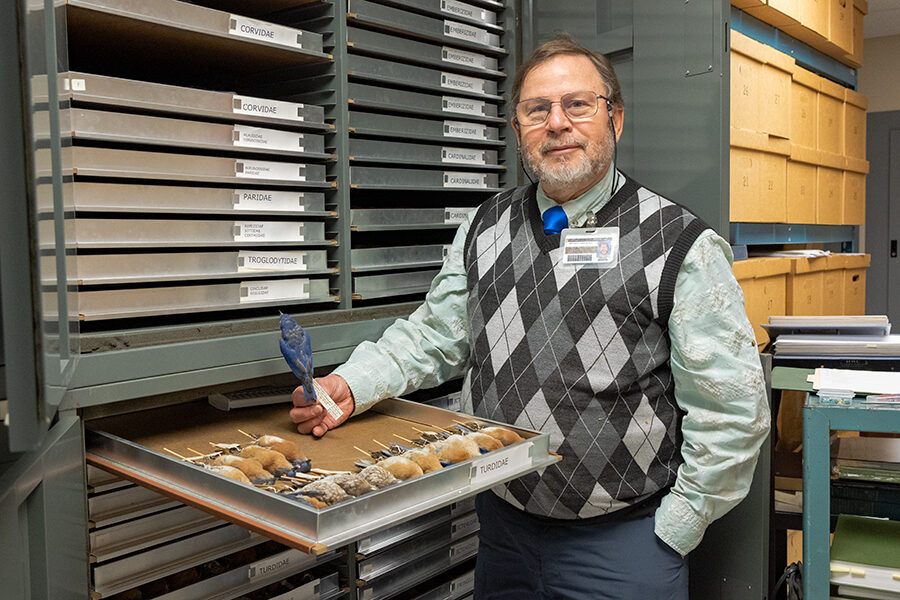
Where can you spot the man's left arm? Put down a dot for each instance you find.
(719, 384)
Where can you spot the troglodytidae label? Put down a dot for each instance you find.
(275, 289)
(271, 139)
(500, 464)
(278, 109)
(252, 260)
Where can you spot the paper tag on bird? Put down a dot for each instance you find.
(325, 400)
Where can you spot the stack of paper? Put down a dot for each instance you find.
(832, 324)
(865, 557)
(838, 345)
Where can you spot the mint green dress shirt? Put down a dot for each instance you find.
(714, 360)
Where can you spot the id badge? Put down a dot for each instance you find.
(596, 247)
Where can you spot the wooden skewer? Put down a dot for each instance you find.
(252, 437)
(463, 424)
(368, 454)
(380, 444)
(200, 454)
(403, 438)
(327, 472)
(417, 429)
(176, 454)
(300, 479)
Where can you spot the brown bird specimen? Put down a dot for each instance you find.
(425, 458)
(401, 467)
(289, 449)
(272, 461)
(250, 467)
(352, 483)
(327, 491)
(378, 476)
(504, 436)
(456, 448)
(229, 472)
(485, 442)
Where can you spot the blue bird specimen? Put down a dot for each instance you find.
(297, 351)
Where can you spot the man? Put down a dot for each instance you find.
(639, 363)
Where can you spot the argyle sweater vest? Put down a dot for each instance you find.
(580, 353)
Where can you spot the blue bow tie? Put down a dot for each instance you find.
(555, 220)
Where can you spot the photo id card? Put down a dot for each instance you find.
(595, 247)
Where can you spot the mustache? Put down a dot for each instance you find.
(566, 140)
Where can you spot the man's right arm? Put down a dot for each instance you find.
(423, 350)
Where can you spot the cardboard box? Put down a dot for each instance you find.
(760, 87)
(801, 192)
(804, 108)
(860, 10)
(833, 287)
(855, 266)
(830, 200)
(840, 24)
(764, 283)
(855, 106)
(854, 212)
(831, 117)
(804, 287)
(790, 8)
(814, 15)
(745, 73)
(758, 177)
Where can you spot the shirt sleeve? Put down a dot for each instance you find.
(425, 349)
(719, 385)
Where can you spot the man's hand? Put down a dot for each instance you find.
(313, 418)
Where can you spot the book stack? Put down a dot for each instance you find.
(865, 558)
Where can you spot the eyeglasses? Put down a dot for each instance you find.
(578, 106)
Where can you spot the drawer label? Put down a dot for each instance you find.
(249, 260)
(466, 32)
(265, 291)
(497, 465)
(261, 31)
(307, 591)
(465, 180)
(74, 84)
(268, 200)
(267, 231)
(462, 129)
(461, 57)
(462, 155)
(247, 105)
(464, 549)
(460, 9)
(462, 105)
(461, 82)
(455, 216)
(445, 250)
(463, 526)
(466, 582)
(257, 169)
(271, 139)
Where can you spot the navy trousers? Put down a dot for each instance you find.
(521, 557)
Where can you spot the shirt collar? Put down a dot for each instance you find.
(579, 209)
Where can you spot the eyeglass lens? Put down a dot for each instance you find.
(576, 105)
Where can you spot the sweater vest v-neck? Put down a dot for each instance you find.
(580, 353)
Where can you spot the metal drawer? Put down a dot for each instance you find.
(127, 503)
(125, 128)
(445, 58)
(131, 445)
(121, 574)
(420, 570)
(84, 197)
(99, 480)
(386, 72)
(451, 9)
(402, 532)
(412, 179)
(428, 105)
(448, 30)
(144, 302)
(172, 28)
(159, 233)
(397, 257)
(132, 164)
(138, 534)
(378, 151)
(101, 269)
(367, 287)
(391, 219)
(101, 90)
(459, 586)
(456, 132)
(257, 8)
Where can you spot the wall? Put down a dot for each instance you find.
(878, 77)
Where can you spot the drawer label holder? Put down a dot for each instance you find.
(459, 179)
(251, 199)
(462, 155)
(495, 466)
(465, 106)
(466, 32)
(461, 57)
(258, 169)
(271, 139)
(265, 32)
(252, 261)
(461, 129)
(278, 109)
(276, 289)
(455, 216)
(461, 82)
(268, 231)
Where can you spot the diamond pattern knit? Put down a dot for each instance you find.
(580, 353)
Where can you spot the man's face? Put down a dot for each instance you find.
(567, 156)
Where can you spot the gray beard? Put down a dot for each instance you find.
(571, 172)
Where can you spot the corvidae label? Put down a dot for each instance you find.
(246, 105)
(462, 129)
(250, 260)
(267, 231)
(461, 82)
(276, 289)
(268, 200)
(271, 139)
(462, 105)
(257, 169)
(462, 155)
(262, 31)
